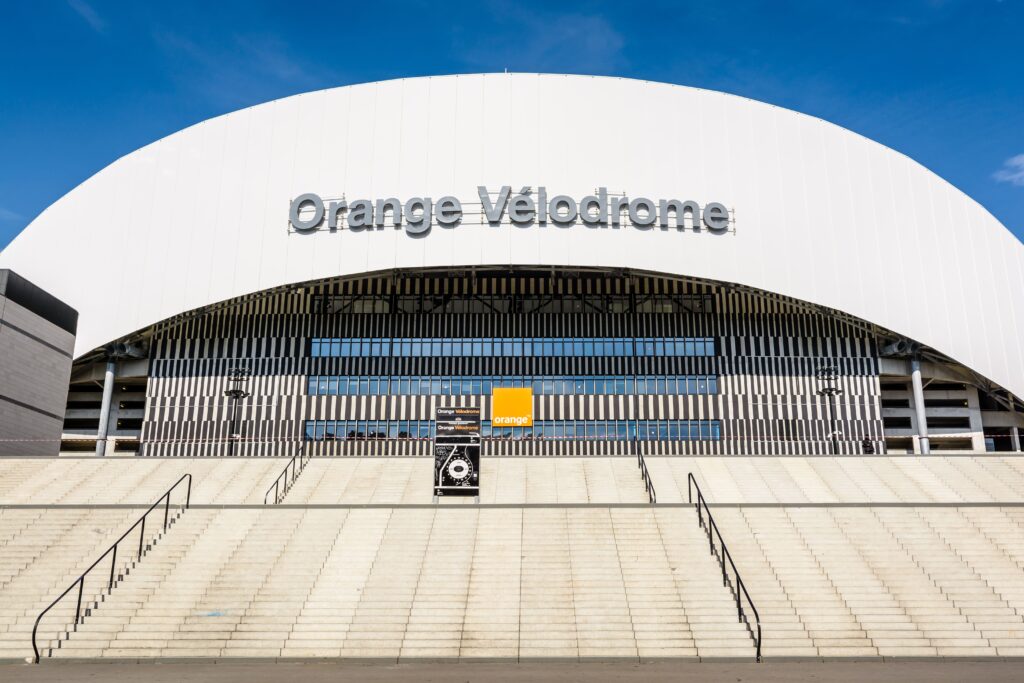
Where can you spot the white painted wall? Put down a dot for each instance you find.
(201, 216)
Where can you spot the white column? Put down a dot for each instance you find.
(108, 392)
(922, 420)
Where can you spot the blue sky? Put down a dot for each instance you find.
(86, 81)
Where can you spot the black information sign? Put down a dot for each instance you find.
(457, 452)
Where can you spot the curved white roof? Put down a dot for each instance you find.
(821, 214)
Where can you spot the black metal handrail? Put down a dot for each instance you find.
(296, 464)
(648, 482)
(739, 590)
(112, 551)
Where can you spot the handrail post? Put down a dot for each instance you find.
(142, 535)
(113, 564)
(78, 610)
(167, 508)
(188, 492)
(725, 576)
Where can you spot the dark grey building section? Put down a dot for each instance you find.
(37, 341)
(400, 345)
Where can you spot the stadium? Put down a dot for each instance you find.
(717, 309)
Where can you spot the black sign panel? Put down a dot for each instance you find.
(457, 452)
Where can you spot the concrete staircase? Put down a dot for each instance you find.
(399, 480)
(409, 583)
(41, 552)
(109, 481)
(843, 557)
(847, 479)
(883, 581)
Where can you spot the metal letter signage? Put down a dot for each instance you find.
(309, 213)
(457, 452)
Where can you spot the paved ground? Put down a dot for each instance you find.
(315, 672)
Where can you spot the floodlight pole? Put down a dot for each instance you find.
(237, 377)
(827, 375)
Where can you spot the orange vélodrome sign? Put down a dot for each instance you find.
(512, 407)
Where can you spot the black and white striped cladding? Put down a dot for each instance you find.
(767, 353)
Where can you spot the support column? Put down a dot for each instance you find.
(1015, 438)
(922, 420)
(108, 392)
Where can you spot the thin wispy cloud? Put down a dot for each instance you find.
(240, 69)
(545, 41)
(1012, 171)
(6, 215)
(91, 17)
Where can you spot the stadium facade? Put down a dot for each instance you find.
(671, 269)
